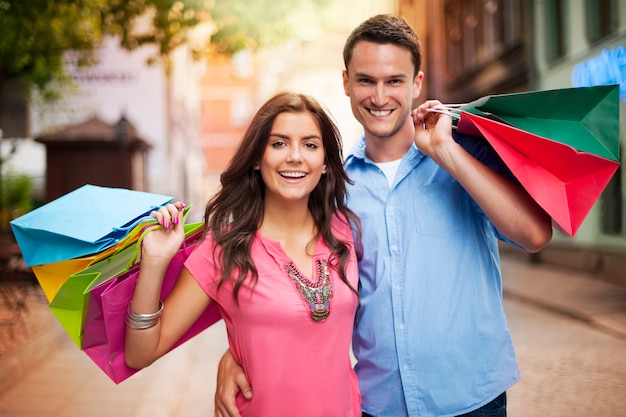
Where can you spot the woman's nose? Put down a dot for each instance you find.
(294, 155)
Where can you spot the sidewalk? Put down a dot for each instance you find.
(578, 295)
(50, 377)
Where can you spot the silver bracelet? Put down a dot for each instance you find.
(139, 321)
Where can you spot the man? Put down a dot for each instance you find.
(430, 336)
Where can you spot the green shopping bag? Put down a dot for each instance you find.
(585, 118)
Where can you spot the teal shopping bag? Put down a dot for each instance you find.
(82, 222)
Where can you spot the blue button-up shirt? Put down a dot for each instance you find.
(431, 337)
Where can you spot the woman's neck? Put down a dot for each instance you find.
(281, 221)
(295, 230)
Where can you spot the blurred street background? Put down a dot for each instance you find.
(568, 328)
(170, 127)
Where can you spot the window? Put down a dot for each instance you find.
(479, 32)
(554, 30)
(601, 18)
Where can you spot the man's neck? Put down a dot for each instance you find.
(387, 149)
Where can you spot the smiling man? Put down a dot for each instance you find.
(431, 337)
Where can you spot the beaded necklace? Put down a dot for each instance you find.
(316, 294)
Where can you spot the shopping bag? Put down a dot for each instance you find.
(83, 222)
(53, 275)
(564, 181)
(562, 145)
(584, 118)
(105, 327)
(70, 303)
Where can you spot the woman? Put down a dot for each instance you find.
(279, 259)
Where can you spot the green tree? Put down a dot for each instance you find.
(15, 198)
(36, 35)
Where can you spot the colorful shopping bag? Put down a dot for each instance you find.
(565, 182)
(85, 221)
(562, 145)
(105, 327)
(583, 118)
(53, 275)
(70, 303)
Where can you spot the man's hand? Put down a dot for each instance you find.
(433, 128)
(231, 380)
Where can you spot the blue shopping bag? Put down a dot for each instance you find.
(82, 222)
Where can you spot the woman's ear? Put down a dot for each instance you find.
(324, 169)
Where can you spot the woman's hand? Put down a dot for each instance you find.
(164, 242)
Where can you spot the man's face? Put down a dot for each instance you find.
(381, 84)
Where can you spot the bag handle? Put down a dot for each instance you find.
(136, 258)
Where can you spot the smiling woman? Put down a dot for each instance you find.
(278, 258)
(293, 160)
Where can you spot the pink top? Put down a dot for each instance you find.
(296, 366)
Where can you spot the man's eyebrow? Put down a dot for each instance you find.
(393, 76)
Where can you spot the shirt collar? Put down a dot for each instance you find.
(413, 155)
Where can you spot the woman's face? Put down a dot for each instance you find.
(294, 159)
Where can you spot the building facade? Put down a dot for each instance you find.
(475, 48)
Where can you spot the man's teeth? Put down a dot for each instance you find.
(293, 174)
(380, 113)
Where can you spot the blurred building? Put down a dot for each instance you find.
(475, 48)
(162, 107)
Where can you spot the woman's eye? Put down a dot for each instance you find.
(312, 145)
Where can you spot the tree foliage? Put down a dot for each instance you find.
(36, 34)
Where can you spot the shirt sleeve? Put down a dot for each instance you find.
(480, 149)
(201, 265)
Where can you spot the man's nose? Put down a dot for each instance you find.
(379, 95)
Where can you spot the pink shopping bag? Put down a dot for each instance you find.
(105, 325)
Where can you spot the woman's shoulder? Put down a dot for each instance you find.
(341, 226)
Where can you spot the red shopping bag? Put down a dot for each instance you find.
(105, 325)
(563, 180)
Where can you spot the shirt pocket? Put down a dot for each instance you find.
(440, 209)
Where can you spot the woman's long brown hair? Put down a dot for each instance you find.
(235, 213)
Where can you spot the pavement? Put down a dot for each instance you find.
(45, 375)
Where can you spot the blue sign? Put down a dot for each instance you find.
(607, 68)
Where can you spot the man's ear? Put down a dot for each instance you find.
(344, 75)
(417, 84)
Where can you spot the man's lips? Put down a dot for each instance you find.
(379, 113)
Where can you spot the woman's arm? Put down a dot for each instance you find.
(150, 332)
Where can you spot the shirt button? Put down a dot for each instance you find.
(405, 367)
(401, 327)
(394, 248)
(397, 287)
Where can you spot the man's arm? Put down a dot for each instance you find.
(509, 207)
(230, 381)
